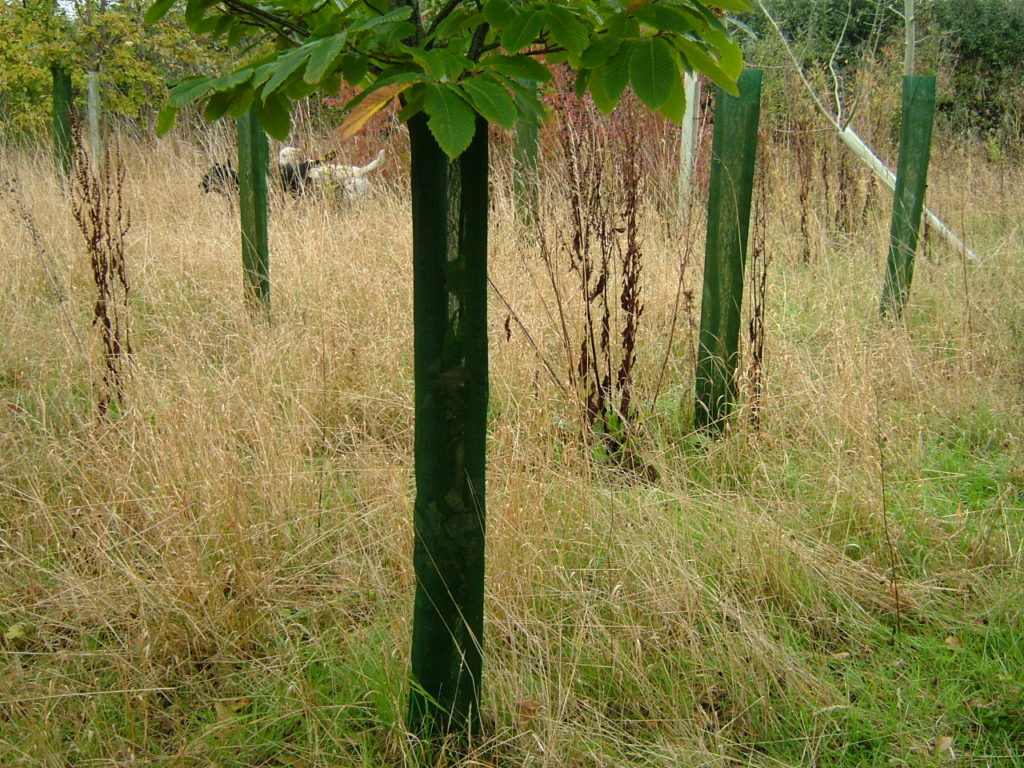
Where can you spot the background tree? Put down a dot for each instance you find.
(979, 45)
(457, 67)
(138, 61)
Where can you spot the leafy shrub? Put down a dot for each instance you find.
(981, 41)
(136, 62)
(821, 29)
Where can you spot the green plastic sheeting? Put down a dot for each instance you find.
(253, 157)
(908, 200)
(449, 219)
(733, 154)
(525, 162)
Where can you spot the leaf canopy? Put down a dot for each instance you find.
(456, 60)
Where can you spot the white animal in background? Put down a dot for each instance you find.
(351, 179)
(297, 173)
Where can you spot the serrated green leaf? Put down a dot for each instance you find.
(218, 104)
(602, 99)
(451, 119)
(286, 67)
(165, 120)
(525, 97)
(354, 67)
(582, 80)
(413, 103)
(613, 76)
(708, 18)
(491, 101)
(522, 67)
(666, 18)
(393, 34)
(157, 11)
(566, 29)
(599, 51)
(623, 26)
(440, 65)
(674, 107)
(237, 32)
(195, 12)
(241, 102)
(323, 57)
(274, 114)
(190, 89)
(457, 22)
(499, 13)
(700, 62)
(262, 73)
(652, 70)
(400, 13)
(522, 31)
(226, 82)
(297, 90)
(730, 56)
(220, 24)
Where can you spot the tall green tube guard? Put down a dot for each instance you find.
(449, 219)
(733, 155)
(253, 157)
(908, 199)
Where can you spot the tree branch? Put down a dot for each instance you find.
(442, 14)
(267, 19)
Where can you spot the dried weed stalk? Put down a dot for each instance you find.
(601, 246)
(99, 208)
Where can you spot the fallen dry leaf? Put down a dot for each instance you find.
(528, 709)
(944, 747)
(228, 709)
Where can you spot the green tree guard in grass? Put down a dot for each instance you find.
(62, 96)
(457, 66)
(450, 339)
(253, 157)
(908, 199)
(525, 162)
(733, 154)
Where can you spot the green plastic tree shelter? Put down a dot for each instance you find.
(62, 97)
(525, 162)
(908, 200)
(449, 222)
(253, 157)
(733, 154)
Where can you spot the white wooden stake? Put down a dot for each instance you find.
(862, 151)
(688, 144)
(93, 110)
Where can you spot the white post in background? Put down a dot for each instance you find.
(690, 134)
(909, 36)
(93, 109)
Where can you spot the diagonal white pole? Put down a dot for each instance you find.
(863, 152)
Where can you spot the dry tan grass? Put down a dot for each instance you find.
(222, 576)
